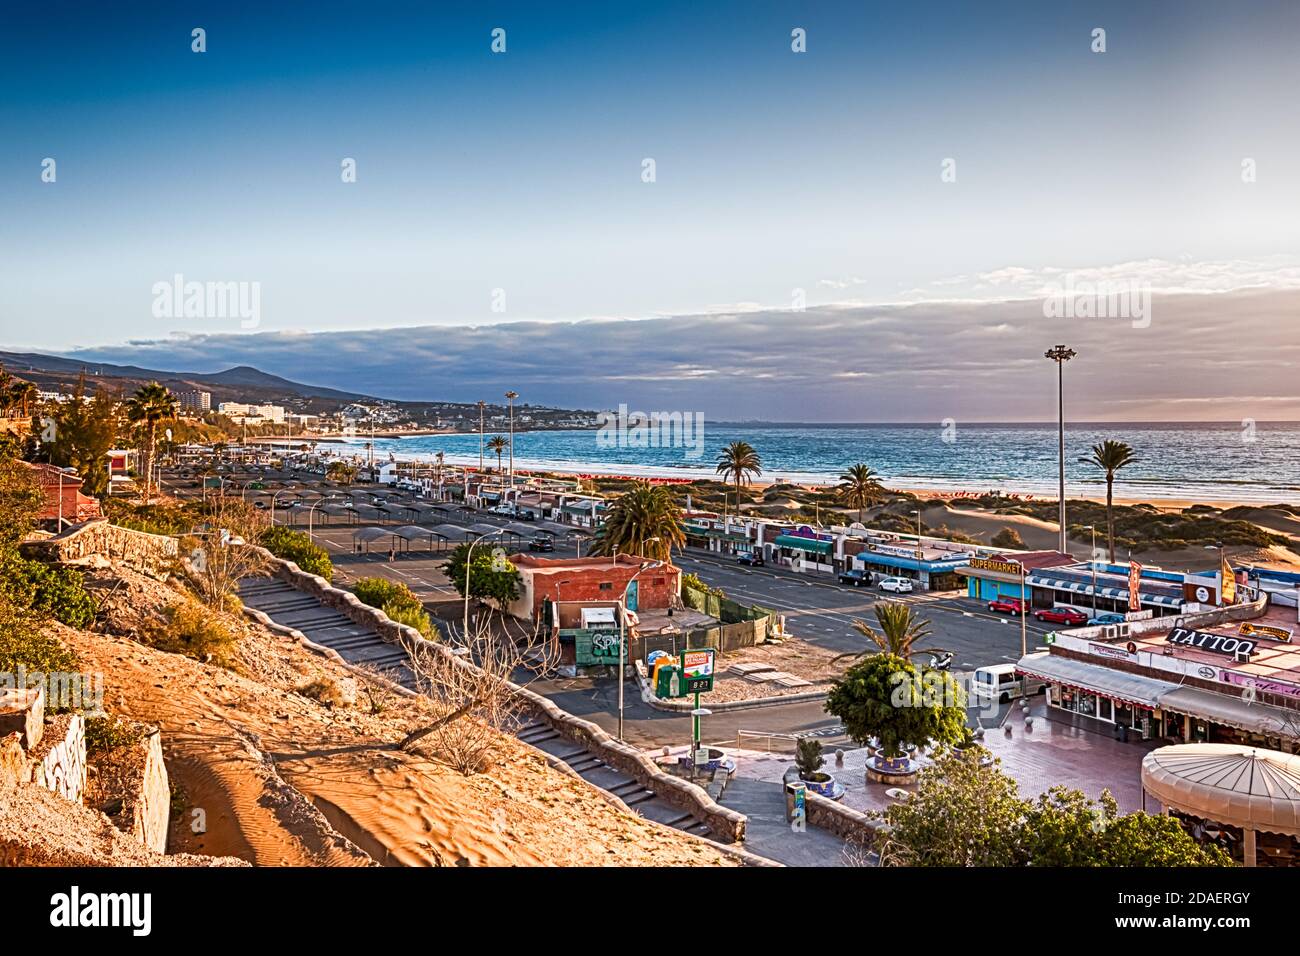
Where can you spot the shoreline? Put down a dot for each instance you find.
(951, 490)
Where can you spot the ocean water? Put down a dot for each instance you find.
(1201, 461)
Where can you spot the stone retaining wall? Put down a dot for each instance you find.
(725, 824)
(59, 761)
(99, 538)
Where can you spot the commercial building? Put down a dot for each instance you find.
(240, 413)
(1052, 578)
(1223, 675)
(566, 580)
(195, 402)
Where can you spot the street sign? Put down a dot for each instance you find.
(697, 670)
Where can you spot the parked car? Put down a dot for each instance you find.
(1107, 617)
(896, 585)
(855, 577)
(1007, 605)
(525, 515)
(541, 544)
(1061, 615)
(502, 510)
(751, 558)
(999, 682)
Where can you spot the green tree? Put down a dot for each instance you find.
(343, 472)
(83, 434)
(739, 462)
(860, 488)
(645, 521)
(888, 697)
(965, 814)
(151, 405)
(1110, 456)
(491, 575)
(1008, 538)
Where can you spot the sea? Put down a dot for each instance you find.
(1203, 461)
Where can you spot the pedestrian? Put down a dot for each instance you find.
(392, 555)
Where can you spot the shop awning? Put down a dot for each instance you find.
(896, 561)
(1132, 688)
(803, 544)
(1241, 786)
(1252, 717)
(1114, 594)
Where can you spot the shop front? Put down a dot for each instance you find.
(1094, 698)
(935, 571)
(802, 550)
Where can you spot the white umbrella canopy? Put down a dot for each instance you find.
(1247, 787)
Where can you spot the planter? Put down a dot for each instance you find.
(820, 783)
(894, 771)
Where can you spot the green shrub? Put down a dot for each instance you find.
(295, 546)
(191, 629)
(378, 592)
(23, 645)
(109, 733)
(415, 617)
(47, 590)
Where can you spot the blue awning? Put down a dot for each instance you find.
(895, 561)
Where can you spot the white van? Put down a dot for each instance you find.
(999, 682)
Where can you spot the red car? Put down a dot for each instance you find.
(1007, 605)
(1061, 615)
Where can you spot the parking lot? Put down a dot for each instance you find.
(817, 607)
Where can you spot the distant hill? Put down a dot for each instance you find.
(243, 383)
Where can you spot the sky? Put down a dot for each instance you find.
(867, 230)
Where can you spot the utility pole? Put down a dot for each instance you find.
(1060, 355)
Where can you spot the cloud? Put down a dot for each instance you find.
(972, 361)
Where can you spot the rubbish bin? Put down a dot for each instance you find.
(796, 802)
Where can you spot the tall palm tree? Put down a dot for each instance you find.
(23, 396)
(645, 521)
(498, 444)
(900, 631)
(150, 405)
(860, 488)
(1110, 456)
(739, 462)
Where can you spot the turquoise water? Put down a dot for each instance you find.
(1204, 461)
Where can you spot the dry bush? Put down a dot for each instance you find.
(326, 691)
(470, 679)
(222, 551)
(196, 631)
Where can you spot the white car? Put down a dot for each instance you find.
(897, 585)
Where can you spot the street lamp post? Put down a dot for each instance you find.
(469, 563)
(480, 436)
(918, 543)
(510, 399)
(622, 635)
(1092, 563)
(312, 509)
(1060, 355)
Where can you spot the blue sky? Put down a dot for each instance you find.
(521, 172)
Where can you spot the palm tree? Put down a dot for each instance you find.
(151, 404)
(860, 488)
(1110, 456)
(498, 444)
(739, 462)
(22, 396)
(900, 631)
(645, 521)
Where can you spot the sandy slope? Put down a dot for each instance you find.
(284, 780)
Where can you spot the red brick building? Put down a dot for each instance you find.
(593, 579)
(57, 484)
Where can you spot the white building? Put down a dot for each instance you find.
(240, 412)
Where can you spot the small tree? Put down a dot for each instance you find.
(295, 546)
(224, 553)
(808, 758)
(491, 575)
(889, 698)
